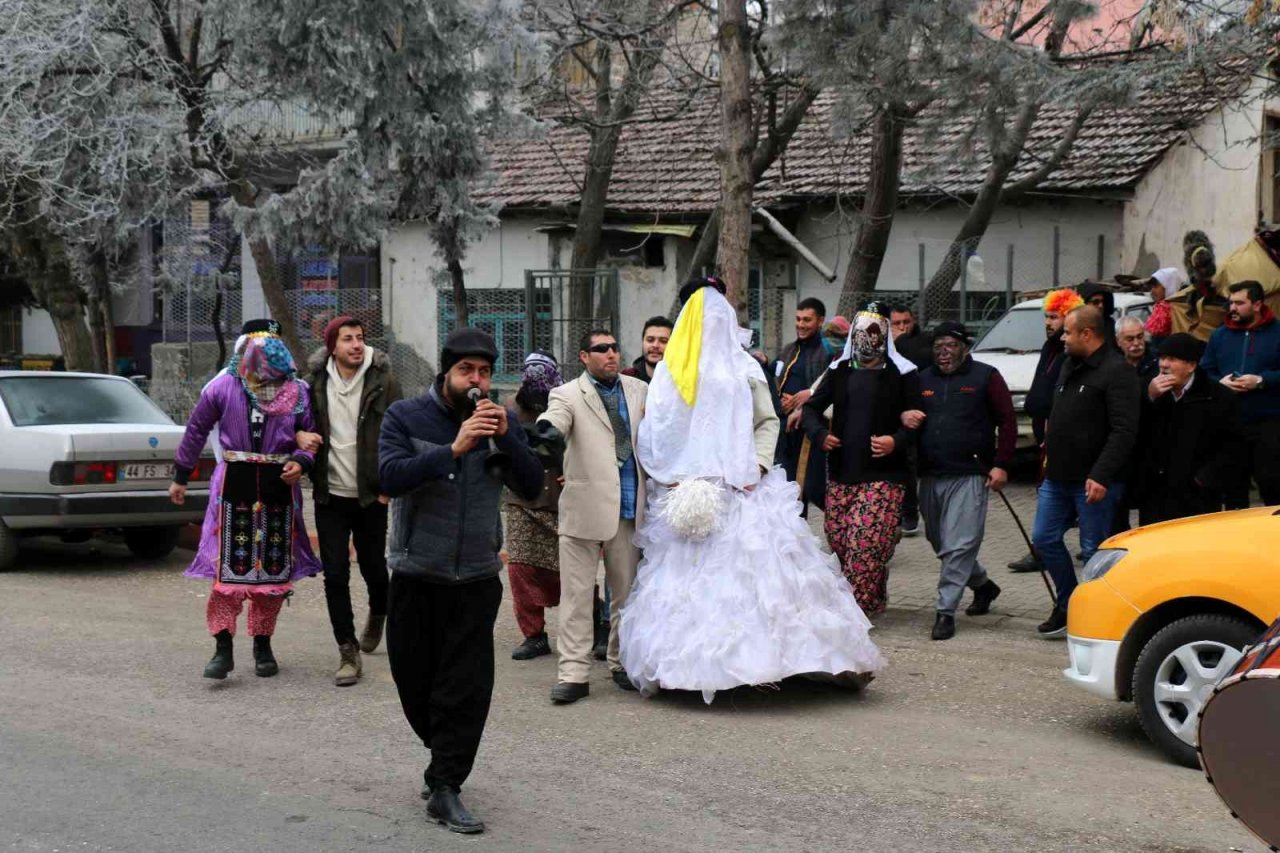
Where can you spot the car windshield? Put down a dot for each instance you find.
(47, 400)
(1020, 330)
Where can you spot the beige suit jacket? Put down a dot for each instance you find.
(592, 495)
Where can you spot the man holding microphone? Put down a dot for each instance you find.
(446, 532)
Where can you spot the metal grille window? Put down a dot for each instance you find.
(502, 313)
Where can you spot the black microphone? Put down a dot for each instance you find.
(497, 463)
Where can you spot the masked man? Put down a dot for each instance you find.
(253, 544)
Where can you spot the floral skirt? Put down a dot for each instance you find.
(862, 527)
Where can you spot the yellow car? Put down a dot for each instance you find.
(1164, 612)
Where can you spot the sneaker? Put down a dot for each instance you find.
(1055, 626)
(532, 647)
(1025, 564)
(982, 598)
(910, 526)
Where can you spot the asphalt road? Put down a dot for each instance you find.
(111, 740)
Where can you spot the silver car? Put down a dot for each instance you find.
(84, 452)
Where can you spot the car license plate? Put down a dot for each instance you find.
(146, 471)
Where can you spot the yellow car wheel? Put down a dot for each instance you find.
(1176, 673)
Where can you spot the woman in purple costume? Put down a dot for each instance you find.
(254, 542)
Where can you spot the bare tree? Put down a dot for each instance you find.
(737, 143)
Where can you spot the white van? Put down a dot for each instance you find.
(1013, 344)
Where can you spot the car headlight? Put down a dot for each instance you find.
(1102, 561)
(1019, 402)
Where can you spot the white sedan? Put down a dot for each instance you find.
(84, 452)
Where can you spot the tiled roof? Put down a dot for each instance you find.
(668, 166)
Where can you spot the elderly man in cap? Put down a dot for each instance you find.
(351, 388)
(1189, 437)
(967, 434)
(445, 535)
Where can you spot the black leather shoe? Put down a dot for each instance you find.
(623, 680)
(944, 627)
(1055, 626)
(532, 647)
(1025, 564)
(445, 806)
(223, 660)
(568, 692)
(982, 598)
(264, 662)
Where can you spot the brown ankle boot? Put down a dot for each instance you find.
(350, 670)
(372, 635)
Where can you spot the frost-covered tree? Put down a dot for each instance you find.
(217, 87)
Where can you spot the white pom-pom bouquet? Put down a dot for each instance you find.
(695, 508)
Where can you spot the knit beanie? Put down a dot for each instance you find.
(464, 342)
(331, 330)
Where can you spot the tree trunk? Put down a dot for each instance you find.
(736, 147)
(98, 285)
(43, 264)
(460, 310)
(984, 207)
(766, 154)
(264, 260)
(878, 207)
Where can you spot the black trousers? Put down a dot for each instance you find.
(1257, 463)
(440, 644)
(338, 522)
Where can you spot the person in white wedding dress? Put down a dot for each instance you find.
(733, 588)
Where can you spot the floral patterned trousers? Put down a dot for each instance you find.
(861, 524)
(224, 611)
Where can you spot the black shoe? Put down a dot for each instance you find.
(1025, 564)
(623, 680)
(910, 525)
(1055, 625)
(982, 598)
(944, 627)
(264, 663)
(532, 647)
(568, 692)
(223, 660)
(445, 806)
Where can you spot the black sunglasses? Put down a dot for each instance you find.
(603, 348)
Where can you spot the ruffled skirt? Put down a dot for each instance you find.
(755, 602)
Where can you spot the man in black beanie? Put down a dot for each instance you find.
(1189, 436)
(446, 532)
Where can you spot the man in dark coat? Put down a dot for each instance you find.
(1091, 432)
(1189, 435)
(446, 533)
(797, 367)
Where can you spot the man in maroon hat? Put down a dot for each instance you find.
(351, 388)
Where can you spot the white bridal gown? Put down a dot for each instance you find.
(757, 600)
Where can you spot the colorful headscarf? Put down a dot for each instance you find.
(540, 373)
(267, 373)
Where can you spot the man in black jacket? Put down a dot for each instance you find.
(966, 440)
(1190, 432)
(913, 344)
(446, 534)
(798, 366)
(1091, 432)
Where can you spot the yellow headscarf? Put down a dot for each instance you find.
(685, 348)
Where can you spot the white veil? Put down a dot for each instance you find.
(872, 314)
(714, 437)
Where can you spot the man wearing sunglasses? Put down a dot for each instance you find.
(596, 418)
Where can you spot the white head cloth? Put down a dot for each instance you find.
(863, 319)
(1172, 278)
(714, 438)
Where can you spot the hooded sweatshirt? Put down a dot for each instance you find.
(1248, 350)
(344, 420)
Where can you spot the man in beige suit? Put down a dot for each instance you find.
(598, 416)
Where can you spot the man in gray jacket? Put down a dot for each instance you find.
(446, 532)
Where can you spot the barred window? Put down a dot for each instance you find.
(501, 312)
